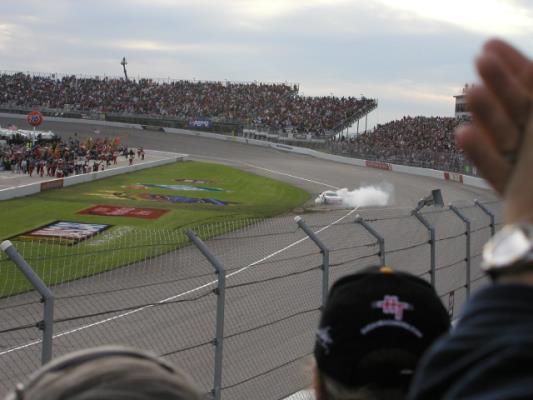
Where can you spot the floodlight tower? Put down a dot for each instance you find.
(124, 63)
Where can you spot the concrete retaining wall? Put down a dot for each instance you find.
(41, 186)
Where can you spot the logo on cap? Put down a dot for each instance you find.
(324, 338)
(392, 305)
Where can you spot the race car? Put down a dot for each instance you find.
(329, 197)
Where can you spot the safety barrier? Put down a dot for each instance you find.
(234, 303)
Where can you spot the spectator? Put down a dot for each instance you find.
(111, 373)
(489, 353)
(373, 330)
(420, 141)
(21, 155)
(274, 106)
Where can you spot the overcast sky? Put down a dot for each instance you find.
(412, 55)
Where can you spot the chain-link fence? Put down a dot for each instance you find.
(158, 290)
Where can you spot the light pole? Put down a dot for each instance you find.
(124, 63)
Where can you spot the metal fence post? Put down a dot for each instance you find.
(491, 216)
(220, 291)
(47, 324)
(373, 232)
(431, 242)
(325, 256)
(467, 258)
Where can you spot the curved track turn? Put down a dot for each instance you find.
(148, 326)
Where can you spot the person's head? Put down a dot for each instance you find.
(111, 373)
(374, 328)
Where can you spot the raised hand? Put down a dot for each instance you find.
(500, 138)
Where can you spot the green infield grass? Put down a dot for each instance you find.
(246, 196)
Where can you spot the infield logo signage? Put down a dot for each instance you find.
(185, 188)
(67, 232)
(116, 211)
(195, 181)
(186, 200)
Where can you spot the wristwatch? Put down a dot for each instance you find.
(509, 250)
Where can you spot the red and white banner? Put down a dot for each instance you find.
(378, 165)
(452, 176)
(53, 184)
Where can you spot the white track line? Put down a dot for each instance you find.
(83, 327)
(265, 169)
(291, 176)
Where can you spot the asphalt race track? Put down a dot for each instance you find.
(269, 321)
(408, 189)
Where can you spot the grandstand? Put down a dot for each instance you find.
(273, 106)
(266, 111)
(426, 142)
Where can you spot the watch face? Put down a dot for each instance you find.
(507, 247)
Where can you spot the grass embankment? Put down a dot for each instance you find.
(132, 239)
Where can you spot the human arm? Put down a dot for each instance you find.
(502, 127)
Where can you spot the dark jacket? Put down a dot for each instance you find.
(488, 355)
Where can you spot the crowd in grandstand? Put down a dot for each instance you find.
(423, 141)
(275, 106)
(61, 158)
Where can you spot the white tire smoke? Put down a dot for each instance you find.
(365, 196)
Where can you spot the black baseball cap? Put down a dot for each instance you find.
(375, 327)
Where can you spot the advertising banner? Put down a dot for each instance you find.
(53, 184)
(378, 165)
(200, 123)
(452, 176)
